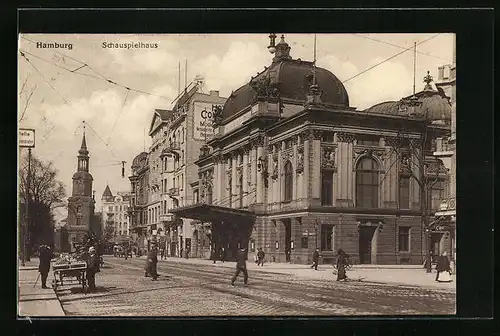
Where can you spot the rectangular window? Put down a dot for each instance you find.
(110, 209)
(327, 187)
(404, 239)
(437, 194)
(404, 192)
(304, 242)
(327, 237)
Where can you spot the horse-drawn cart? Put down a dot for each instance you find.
(70, 270)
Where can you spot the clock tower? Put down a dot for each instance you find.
(81, 203)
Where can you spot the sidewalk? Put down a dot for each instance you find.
(36, 301)
(401, 275)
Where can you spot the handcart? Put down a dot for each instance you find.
(76, 272)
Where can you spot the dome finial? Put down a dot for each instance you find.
(282, 50)
(428, 80)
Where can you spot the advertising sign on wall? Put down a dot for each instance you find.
(203, 121)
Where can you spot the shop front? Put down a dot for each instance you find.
(229, 228)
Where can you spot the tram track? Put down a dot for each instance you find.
(359, 297)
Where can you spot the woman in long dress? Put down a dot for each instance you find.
(341, 265)
(443, 269)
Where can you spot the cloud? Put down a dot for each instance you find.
(234, 68)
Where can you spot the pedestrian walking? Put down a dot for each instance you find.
(92, 268)
(162, 253)
(260, 257)
(241, 266)
(342, 263)
(214, 254)
(151, 263)
(46, 256)
(443, 269)
(223, 254)
(315, 259)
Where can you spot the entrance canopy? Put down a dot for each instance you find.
(210, 213)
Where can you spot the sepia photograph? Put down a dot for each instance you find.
(272, 174)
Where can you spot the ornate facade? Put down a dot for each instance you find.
(311, 171)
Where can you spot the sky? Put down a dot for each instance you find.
(117, 119)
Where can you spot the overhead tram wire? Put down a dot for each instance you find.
(388, 59)
(400, 47)
(118, 117)
(95, 77)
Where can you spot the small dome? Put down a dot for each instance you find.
(140, 160)
(435, 105)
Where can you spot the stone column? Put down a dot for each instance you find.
(234, 180)
(245, 176)
(305, 175)
(259, 179)
(252, 196)
(315, 137)
(345, 177)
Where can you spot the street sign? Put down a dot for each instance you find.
(27, 137)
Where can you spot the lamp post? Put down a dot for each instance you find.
(26, 140)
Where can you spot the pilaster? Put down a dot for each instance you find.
(345, 177)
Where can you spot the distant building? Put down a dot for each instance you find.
(161, 179)
(81, 203)
(445, 222)
(114, 211)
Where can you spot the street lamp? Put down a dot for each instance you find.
(272, 43)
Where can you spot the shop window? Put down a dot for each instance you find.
(304, 242)
(327, 237)
(327, 187)
(367, 176)
(288, 182)
(404, 192)
(404, 239)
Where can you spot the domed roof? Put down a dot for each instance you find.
(433, 104)
(140, 160)
(293, 79)
(82, 175)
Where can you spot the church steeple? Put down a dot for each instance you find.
(83, 156)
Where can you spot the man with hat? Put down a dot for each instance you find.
(92, 268)
(46, 256)
(241, 266)
(151, 262)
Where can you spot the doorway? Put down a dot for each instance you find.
(436, 250)
(287, 223)
(365, 244)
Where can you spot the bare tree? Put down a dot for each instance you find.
(413, 155)
(46, 194)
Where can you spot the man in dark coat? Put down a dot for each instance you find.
(315, 259)
(223, 254)
(151, 263)
(92, 268)
(241, 266)
(46, 256)
(342, 263)
(260, 257)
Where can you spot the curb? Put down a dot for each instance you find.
(59, 302)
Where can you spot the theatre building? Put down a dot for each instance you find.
(293, 167)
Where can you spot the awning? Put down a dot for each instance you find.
(208, 213)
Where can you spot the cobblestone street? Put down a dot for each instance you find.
(203, 290)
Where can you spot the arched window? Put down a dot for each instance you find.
(288, 181)
(367, 176)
